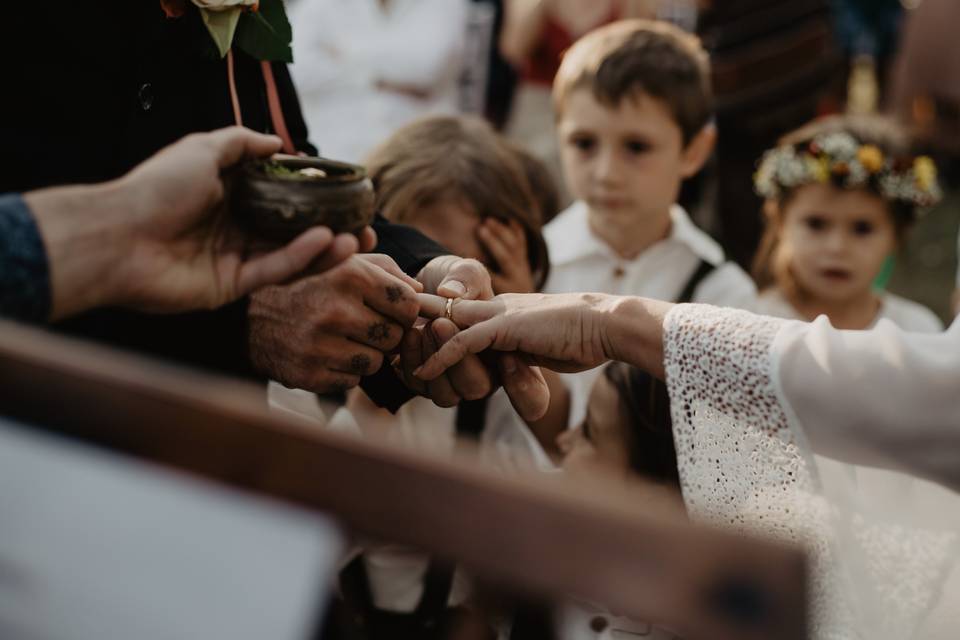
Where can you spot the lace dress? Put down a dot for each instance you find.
(882, 552)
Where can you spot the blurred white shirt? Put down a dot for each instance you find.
(582, 262)
(906, 314)
(344, 48)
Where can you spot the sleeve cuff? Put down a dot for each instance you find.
(25, 292)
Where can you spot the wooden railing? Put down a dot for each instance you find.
(527, 533)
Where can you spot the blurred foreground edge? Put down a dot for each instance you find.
(533, 535)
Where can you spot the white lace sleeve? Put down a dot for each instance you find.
(745, 463)
(725, 408)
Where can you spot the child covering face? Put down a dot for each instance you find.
(460, 183)
(457, 181)
(840, 196)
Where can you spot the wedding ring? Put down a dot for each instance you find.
(448, 311)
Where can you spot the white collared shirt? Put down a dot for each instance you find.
(906, 314)
(582, 262)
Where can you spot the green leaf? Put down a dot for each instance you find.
(221, 25)
(266, 34)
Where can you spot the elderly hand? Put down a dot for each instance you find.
(565, 332)
(159, 239)
(324, 332)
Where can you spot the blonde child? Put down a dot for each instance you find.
(841, 193)
(633, 107)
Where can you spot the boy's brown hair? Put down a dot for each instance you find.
(462, 158)
(629, 57)
(541, 182)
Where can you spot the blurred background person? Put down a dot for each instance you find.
(364, 68)
(775, 68)
(867, 32)
(925, 94)
(535, 35)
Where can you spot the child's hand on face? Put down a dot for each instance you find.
(506, 242)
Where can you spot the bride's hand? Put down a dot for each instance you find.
(562, 332)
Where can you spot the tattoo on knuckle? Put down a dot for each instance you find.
(394, 293)
(378, 332)
(360, 363)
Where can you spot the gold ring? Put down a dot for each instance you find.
(448, 311)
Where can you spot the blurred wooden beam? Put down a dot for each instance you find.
(536, 533)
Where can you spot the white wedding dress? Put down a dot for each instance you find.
(758, 406)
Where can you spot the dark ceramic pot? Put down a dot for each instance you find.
(278, 207)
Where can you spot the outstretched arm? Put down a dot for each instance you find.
(884, 397)
(159, 239)
(565, 332)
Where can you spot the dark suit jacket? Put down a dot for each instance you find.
(104, 85)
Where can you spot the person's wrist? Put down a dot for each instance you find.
(632, 331)
(86, 239)
(128, 207)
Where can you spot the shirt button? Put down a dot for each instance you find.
(619, 272)
(146, 96)
(598, 624)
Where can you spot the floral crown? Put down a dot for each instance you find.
(840, 159)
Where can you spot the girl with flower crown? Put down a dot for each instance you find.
(841, 193)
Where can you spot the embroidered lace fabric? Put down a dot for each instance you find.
(744, 463)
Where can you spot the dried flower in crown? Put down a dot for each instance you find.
(840, 159)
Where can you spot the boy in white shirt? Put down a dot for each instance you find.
(633, 107)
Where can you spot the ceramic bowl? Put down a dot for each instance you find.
(279, 198)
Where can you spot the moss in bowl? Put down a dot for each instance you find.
(279, 198)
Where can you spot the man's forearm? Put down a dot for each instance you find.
(83, 232)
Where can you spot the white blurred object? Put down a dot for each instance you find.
(362, 71)
(305, 404)
(94, 545)
(476, 58)
(682, 13)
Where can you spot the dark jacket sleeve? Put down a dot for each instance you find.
(214, 341)
(411, 250)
